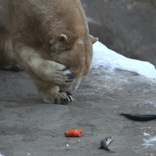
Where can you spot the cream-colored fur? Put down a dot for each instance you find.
(50, 39)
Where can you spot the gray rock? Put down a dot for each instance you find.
(126, 26)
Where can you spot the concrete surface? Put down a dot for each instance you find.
(30, 127)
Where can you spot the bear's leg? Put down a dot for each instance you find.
(47, 75)
(52, 94)
(7, 58)
(42, 69)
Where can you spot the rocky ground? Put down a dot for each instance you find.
(125, 26)
(30, 127)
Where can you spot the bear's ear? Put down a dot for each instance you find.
(63, 43)
(63, 39)
(93, 39)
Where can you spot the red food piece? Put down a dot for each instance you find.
(73, 133)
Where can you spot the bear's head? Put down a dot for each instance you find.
(75, 53)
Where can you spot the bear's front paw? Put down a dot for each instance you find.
(57, 98)
(63, 76)
(62, 98)
(54, 95)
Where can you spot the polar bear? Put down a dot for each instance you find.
(50, 40)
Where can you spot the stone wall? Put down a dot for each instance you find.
(126, 26)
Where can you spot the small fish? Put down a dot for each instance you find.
(140, 117)
(105, 142)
